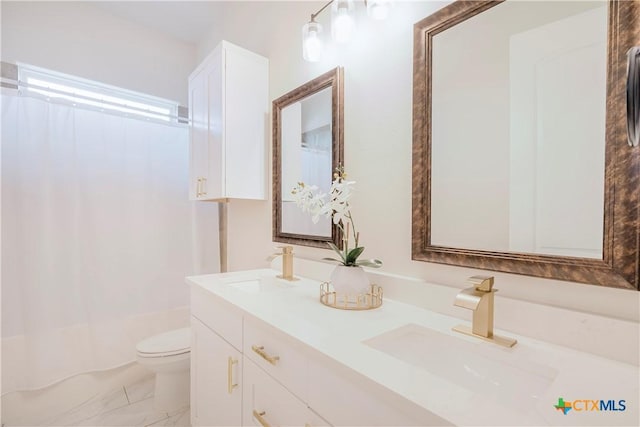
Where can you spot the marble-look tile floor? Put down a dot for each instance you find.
(128, 406)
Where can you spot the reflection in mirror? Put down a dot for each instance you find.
(520, 155)
(307, 147)
(525, 171)
(306, 156)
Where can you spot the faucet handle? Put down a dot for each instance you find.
(286, 249)
(482, 283)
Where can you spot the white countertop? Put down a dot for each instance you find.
(296, 311)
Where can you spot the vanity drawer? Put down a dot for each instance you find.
(278, 355)
(218, 315)
(267, 402)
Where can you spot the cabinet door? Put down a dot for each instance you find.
(267, 403)
(245, 123)
(216, 374)
(198, 148)
(215, 183)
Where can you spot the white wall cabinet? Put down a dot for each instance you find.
(229, 106)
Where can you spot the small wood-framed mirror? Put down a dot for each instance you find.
(520, 156)
(307, 147)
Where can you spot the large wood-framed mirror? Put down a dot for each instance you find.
(307, 147)
(520, 155)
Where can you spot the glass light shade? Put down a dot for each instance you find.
(342, 23)
(311, 43)
(379, 9)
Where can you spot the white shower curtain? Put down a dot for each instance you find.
(97, 237)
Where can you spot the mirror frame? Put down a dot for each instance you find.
(620, 264)
(334, 80)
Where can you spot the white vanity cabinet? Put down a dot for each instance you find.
(228, 107)
(301, 363)
(280, 380)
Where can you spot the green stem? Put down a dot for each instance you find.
(355, 235)
(345, 239)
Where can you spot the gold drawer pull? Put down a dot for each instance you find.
(260, 417)
(230, 385)
(260, 350)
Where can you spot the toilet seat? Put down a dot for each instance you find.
(168, 356)
(170, 343)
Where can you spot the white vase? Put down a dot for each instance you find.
(350, 280)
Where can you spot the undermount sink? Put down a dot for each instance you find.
(483, 368)
(259, 284)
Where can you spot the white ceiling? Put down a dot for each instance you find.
(189, 21)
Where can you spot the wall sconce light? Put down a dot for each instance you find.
(311, 42)
(342, 24)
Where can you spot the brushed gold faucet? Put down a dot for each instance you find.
(287, 262)
(479, 299)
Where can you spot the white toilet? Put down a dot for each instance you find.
(167, 355)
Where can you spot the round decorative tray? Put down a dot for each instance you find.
(366, 301)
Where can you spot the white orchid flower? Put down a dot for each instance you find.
(337, 208)
(338, 215)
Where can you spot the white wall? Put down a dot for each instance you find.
(80, 39)
(378, 101)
